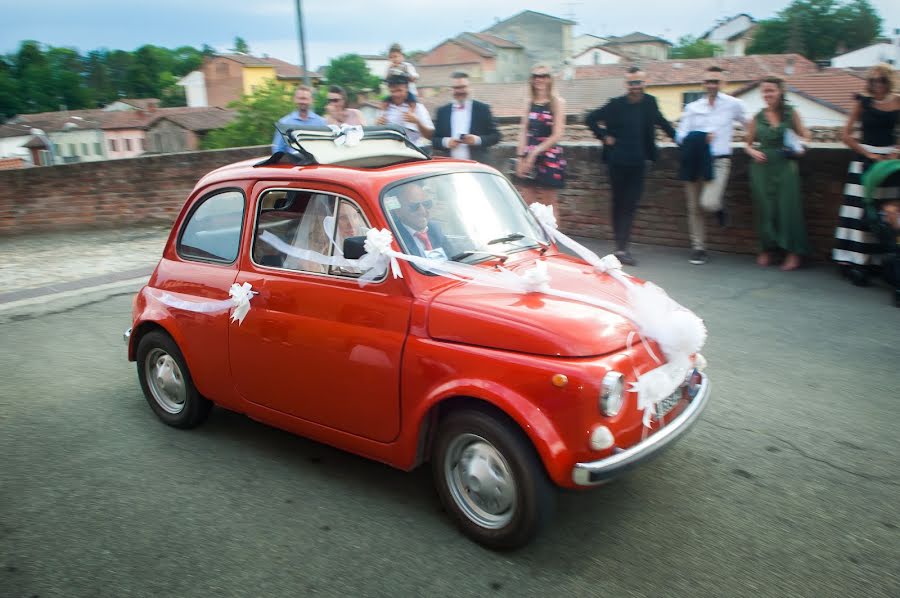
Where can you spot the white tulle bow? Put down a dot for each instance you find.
(379, 254)
(346, 135)
(536, 279)
(241, 294)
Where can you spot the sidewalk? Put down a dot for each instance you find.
(44, 264)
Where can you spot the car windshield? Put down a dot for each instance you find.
(464, 217)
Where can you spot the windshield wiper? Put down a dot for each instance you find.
(518, 237)
(470, 252)
(507, 239)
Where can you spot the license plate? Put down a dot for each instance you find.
(667, 404)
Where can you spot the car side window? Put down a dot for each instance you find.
(306, 220)
(213, 230)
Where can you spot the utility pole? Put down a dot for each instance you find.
(302, 41)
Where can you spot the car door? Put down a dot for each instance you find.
(201, 266)
(316, 345)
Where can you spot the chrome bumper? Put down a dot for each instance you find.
(126, 335)
(597, 472)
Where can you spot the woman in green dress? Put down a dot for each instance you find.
(775, 180)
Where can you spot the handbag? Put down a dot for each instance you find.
(793, 145)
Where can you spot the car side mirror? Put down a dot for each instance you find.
(354, 247)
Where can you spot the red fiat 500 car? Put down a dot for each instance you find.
(507, 394)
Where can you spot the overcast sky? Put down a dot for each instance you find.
(335, 27)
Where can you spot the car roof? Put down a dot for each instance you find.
(354, 178)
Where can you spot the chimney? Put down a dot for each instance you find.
(151, 106)
(789, 66)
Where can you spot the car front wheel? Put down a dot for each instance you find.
(167, 383)
(491, 480)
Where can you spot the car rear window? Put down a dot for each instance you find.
(213, 230)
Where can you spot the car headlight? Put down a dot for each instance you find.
(612, 393)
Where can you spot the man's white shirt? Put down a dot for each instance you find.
(394, 115)
(460, 124)
(718, 119)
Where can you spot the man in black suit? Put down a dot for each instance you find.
(465, 128)
(420, 235)
(629, 143)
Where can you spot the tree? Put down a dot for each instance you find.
(351, 72)
(9, 98)
(240, 46)
(256, 118)
(692, 47)
(818, 29)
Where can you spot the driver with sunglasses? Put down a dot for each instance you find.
(419, 234)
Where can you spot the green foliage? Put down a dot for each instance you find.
(40, 78)
(240, 46)
(692, 47)
(818, 29)
(350, 72)
(256, 118)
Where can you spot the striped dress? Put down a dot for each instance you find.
(856, 244)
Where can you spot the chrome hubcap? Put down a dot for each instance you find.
(480, 481)
(166, 381)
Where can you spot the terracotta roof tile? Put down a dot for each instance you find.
(496, 41)
(637, 37)
(205, 120)
(835, 88)
(690, 71)
(508, 99)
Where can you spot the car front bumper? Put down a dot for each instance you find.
(597, 472)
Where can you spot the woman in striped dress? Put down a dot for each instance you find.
(856, 248)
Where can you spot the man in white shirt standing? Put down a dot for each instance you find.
(713, 114)
(412, 116)
(465, 127)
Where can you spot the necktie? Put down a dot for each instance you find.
(423, 237)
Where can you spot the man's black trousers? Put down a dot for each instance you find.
(627, 184)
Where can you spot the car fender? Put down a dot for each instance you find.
(539, 429)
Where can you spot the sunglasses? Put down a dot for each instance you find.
(882, 80)
(414, 206)
(635, 83)
(540, 76)
(712, 81)
(334, 100)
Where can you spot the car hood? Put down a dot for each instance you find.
(535, 323)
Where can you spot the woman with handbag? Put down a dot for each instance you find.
(775, 178)
(541, 167)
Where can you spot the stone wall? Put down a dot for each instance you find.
(152, 189)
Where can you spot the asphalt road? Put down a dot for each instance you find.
(787, 487)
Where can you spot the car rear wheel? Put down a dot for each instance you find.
(491, 480)
(167, 383)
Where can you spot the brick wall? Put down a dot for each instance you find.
(153, 189)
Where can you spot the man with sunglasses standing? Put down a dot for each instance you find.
(714, 114)
(629, 143)
(465, 128)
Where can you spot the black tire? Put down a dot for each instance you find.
(167, 383)
(472, 436)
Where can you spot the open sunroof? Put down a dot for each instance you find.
(358, 147)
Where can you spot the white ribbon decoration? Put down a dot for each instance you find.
(346, 135)
(677, 330)
(240, 296)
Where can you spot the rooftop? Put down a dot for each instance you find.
(691, 71)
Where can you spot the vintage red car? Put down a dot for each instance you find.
(508, 395)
